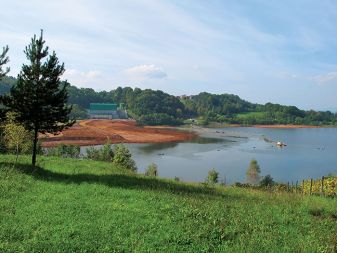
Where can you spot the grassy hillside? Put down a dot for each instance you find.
(68, 205)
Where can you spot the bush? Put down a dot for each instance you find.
(267, 181)
(107, 153)
(104, 153)
(253, 173)
(93, 154)
(77, 112)
(123, 158)
(240, 185)
(279, 187)
(152, 170)
(16, 138)
(212, 176)
(64, 150)
(72, 151)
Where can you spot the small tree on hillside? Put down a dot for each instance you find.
(39, 97)
(212, 177)
(152, 170)
(253, 173)
(123, 158)
(16, 137)
(267, 181)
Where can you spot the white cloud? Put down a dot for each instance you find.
(146, 72)
(92, 74)
(70, 73)
(81, 78)
(325, 78)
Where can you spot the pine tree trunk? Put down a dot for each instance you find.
(34, 147)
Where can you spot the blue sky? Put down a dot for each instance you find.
(262, 50)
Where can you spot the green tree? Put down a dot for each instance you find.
(39, 97)
(16, 137)
(4, 60)
(123, 157)
(212, 177)
(104, 153)
(267, 181)
(107, 153)
(253, 173)
(152, 170)
(78, 112)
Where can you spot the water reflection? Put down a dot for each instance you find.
(155, 147)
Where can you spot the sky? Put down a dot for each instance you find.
(262, 50)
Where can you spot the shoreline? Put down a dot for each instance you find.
(290, 126)
(276, 126)
(98, 132)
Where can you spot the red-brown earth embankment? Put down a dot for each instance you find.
(95, 132)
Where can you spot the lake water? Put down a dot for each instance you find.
(309, 153)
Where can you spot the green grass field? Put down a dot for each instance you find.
(67, 205)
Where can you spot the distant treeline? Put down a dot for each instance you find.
(156, 107)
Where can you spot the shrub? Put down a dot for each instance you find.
(123, 158)
(93, 153)
(176, 179)
(15, 137)
(253, 173)
(267, 181)
(107, 153)
(104, 153)
(240, 185)
(280, 187)
(212, 176)
(237, 184)
(152, 170)
(64, 150)
(72, 151)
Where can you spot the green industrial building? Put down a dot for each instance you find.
(107, 111)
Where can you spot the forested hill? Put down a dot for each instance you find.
(6, 83)
(157, 107)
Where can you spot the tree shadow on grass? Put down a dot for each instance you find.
(117, 180)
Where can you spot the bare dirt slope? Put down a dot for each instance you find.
(94, 132)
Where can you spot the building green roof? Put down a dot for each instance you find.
(101, 106)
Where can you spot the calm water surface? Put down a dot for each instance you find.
(309, 153)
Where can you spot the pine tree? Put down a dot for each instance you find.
(4, 60)
(3, 72)
(39, 97)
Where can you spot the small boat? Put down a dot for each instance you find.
(280, 144)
